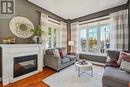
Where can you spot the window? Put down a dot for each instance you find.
(49, 37)
(83, 39)
(53, 34)
(95, 38)
(92, 39)
(104, 37)
(53, 37)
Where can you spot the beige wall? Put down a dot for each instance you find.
(28, 10)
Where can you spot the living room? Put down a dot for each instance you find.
(61, 43)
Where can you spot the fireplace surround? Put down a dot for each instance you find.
(26, 59)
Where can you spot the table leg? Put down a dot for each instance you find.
(78, 72)
(92, 72)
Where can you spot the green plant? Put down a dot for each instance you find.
(37, 31)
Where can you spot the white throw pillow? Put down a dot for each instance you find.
(125, 65)
(56, 53)
(108, 59)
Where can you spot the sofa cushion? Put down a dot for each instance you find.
(72, 57)
(114, 55)
(115, 75)
(65, 60)
(112, 64)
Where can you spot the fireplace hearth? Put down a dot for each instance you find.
(24, 64)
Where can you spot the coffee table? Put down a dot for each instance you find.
(86, 68)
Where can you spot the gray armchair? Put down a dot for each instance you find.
(113, 76)
(57, 63)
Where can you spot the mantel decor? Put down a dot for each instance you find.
(21, 27)
(37, 32)
(9, 40)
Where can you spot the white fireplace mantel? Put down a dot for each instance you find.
(9, 51)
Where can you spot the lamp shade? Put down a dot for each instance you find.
(71, 43)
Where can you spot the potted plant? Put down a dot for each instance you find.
(37, 32)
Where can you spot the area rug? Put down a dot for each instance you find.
(68, 78)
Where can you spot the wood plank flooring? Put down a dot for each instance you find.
(33, 81)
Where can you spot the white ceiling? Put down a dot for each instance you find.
(70, 9)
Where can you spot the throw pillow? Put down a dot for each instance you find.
(56, 53)
(108, 59)
(121, 56)
(125, 66)
(114, 55)
(127, 58)
(62, 52)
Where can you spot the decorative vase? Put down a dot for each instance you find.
(37, 39)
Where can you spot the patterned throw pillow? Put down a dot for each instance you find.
(113, 55)
(56, 53)
(125, 64)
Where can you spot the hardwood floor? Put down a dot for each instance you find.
(33, 81)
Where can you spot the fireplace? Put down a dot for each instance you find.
(20, 61)
(24, 65)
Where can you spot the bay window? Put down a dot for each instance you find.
(95, 37)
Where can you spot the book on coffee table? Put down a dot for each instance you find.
(82, 62)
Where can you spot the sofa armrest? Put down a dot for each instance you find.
(52, 61)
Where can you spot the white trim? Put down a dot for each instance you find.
(54, 23)
(54, 20)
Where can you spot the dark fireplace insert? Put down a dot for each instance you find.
(24, 65)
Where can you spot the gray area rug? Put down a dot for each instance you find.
(68, 78)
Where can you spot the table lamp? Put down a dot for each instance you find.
(71, 43)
